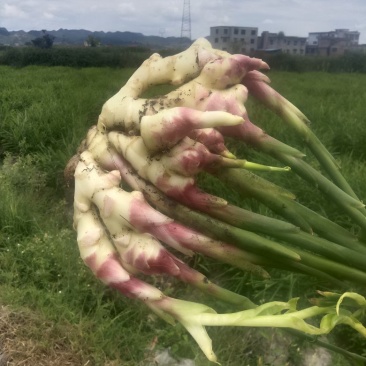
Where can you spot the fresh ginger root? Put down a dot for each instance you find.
(157, 146)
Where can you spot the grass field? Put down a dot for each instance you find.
(53, 311)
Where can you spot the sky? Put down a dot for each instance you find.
(155, 17)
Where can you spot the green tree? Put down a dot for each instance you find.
(92, 41)
(46, 41)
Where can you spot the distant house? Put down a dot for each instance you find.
(245, 40)
(279, 42)
(234, 39)
(332, 43)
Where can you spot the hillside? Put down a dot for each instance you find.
(78, 37)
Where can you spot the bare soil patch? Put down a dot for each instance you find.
(27, 339)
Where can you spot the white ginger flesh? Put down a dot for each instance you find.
(208, 69)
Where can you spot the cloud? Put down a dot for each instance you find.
(48, 15)
(12, 11)
(126, 9)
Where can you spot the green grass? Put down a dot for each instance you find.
(44, 114)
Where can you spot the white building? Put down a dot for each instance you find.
(234, 39)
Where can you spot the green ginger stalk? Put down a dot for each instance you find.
(257, 84)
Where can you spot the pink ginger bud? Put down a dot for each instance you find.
(179, 236)
(173, 185)
(231, 100)
(213, 140)
(247, 131)
(189, 194)
(189, 157)
(256, 76)
(146, 255)
(257, 84)
(226, 71)
(258, 87)
(101, 257)
(256, 137)
(164, 129)
(241, 65)
(143, 253)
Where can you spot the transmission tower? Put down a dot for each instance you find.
(186, 20)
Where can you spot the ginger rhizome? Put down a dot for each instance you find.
(138, 209)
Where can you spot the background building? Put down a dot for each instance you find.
(333, 43)
(234, 39)
(279, 42)
(245, 40)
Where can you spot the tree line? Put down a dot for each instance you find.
(44, 53)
